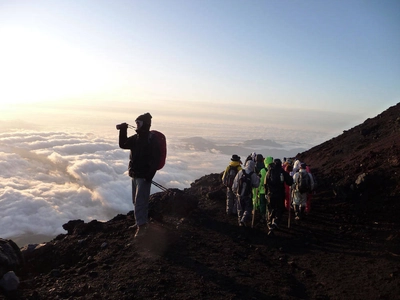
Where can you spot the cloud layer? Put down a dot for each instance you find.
(49, 178)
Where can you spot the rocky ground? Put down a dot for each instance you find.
(348, 247)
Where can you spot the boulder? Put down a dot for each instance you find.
(10, 257)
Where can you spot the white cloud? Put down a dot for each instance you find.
(49, 178)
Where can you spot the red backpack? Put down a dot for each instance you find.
(162, 145)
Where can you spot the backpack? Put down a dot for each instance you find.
(315, 181)
(303, 183)
(273, 177)
(162, 147)
(230, 176)
(245, 184)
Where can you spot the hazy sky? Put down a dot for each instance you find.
(214, 60)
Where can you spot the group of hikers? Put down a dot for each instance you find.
(263, 185)
(267, 186)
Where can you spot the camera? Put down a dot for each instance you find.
(122, 126)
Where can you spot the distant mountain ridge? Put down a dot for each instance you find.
(266, 147)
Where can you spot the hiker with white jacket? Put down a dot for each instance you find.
(303, 184)
(245, 180)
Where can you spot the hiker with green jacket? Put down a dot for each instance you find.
(261, 189)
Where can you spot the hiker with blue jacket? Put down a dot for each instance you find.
(245, 180)
(143, 163)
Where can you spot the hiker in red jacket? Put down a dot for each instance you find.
(288, 168)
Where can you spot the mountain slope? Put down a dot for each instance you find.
(362, 165)
(348, 247)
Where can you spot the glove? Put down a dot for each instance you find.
(122, 126)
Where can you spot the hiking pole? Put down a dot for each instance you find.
(164, 189)
(254, 209)
(290, 203)
(252, 217)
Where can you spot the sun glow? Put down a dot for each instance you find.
(36, 67)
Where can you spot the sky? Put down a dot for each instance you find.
(214, 60)
(296, 72)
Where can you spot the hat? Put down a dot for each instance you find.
(235, 157)
(303, 165)
(146, 118)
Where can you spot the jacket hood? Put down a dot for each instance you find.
(249, 167)
(268, 160)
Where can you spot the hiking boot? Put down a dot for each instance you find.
(242, 224)
(141, 231)
(274, 225)
(134, 226)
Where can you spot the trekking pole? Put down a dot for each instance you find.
(254, 209)
(164, 189)
(290, 203)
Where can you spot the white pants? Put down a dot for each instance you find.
(299, 199)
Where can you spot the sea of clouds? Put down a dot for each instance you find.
(50, 177)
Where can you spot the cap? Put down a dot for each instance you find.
(303, 165)
(146, 118)
(277, 162)
(235, 157)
